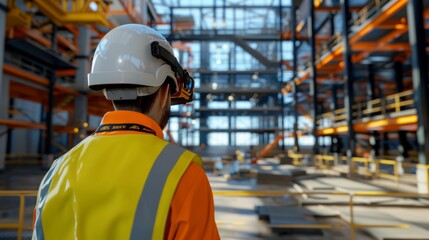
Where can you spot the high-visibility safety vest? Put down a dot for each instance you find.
(92, 171)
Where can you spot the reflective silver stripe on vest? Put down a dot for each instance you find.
(147, 208)
(43, 193)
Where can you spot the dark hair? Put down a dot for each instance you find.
(141, 104)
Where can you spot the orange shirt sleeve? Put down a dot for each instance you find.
(192, 210)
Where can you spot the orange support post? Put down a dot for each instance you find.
(268, 149)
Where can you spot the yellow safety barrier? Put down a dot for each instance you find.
(378, 162)
(352, 225)
(22, 195)
(365, 161)
(325, 161)
(297, 157)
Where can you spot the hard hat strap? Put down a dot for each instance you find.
(184, 80)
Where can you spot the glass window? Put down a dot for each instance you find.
(244, 122)
(246, 139)
(218, 122)
(217, 104)
(218, 139)
(243, 104)
(173, 124)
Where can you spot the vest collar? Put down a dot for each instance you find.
(124, 116)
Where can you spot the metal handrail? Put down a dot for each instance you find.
(22, 196)
(368, 11)
(395, 102)
(395, 175)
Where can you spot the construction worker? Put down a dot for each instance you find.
(125, 181)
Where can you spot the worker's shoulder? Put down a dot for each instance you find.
(195, 176)
(180, 148)
(186, 154)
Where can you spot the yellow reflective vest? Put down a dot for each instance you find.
(133, 186)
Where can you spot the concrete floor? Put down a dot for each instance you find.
(237, 217)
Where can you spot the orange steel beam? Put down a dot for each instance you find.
(268, 149)
(116, 12)
(323, 79)
(426, 13)
(398, 5)
(72, 29)
(129, 9)
(320, 37)
(67, 43)
(66, 72)
(408, 122)
(23, 32)
(16, 72)
(370, 46)
(287, 64)
(335, 9)
(11, 123)
(22, 91)
(100, 35)
(35, 35)
(304, 113)
(393, 23)
(380, 43)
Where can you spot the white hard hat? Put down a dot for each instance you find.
(136, 56)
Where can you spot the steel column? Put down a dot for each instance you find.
(4, 87)
(204, 79)
(334, 106)
(348, 80)
(50, 111)
(80, 114)
(370, 90)
(313, 74)
(399, 77)
(332, 23)
(171, 37)
(420, 83)
(295, 74)
(145, 15)
(370, 87)
(280, 97)
(4, 107)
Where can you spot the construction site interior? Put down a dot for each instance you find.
(312, 117)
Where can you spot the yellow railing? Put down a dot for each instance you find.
(298, 157)
(351, 222)
(22, 195)
(77, 12)
(368, 11)
(327, 161)
(394, 103)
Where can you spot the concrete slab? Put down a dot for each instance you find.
(276, 174)
(322, 211)
(375, 217)
(315, 184)
(273, 178)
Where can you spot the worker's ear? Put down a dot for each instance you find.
(165, 95)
